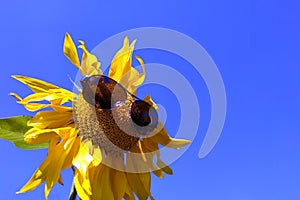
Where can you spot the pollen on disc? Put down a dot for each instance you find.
(110, 130)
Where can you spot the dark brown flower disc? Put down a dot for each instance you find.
(122, 116)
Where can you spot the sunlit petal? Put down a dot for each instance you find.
(89, 62)
(70, 50)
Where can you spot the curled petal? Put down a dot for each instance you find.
(89, 62)
(43, 91)
(56, 99)
(149, 100)
(138, 80)
(121, 62)
(122, 71)
(16, 96)
(59, 96)
(70, 50)
(35, 85)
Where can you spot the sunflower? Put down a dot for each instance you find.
(110, 156)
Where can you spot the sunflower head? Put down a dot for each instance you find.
(120, 118)
(110, 137)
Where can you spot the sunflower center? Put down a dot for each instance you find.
(110, 129)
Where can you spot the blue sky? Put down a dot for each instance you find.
(255, 45)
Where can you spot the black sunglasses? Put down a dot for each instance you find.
(105, 93)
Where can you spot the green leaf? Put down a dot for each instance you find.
(13, 129)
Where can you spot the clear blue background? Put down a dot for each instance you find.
(255, 45)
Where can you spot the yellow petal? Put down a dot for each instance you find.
(38, 106)
(121, 62)
(39, 136)
(97, 156)
(164, 166)
(119, 184)
(50, 119)
(145, 178)
(71, 155)
(141, 150)
(137, 185)
(49, 170)
(149, 100)
(82, 186)
(55, 96)
(58, 108)
(70, 50)
(137, 161)
(129, 193)
(104, 179)
(34, 181)
(162, 137)
(17, 97)
(159, 173)
(36, 97)
(89, 62)
(94, 181)
(177, 143)
(131, 80)
(151, 151)
(57, 155)
(63, 94)
(49, 96)
(141, 77)
(35, 85)
(39, 175)
(35, 106)
(82, 160)
(122, 71)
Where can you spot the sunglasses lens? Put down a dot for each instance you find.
(144, 116)
(103, 92)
